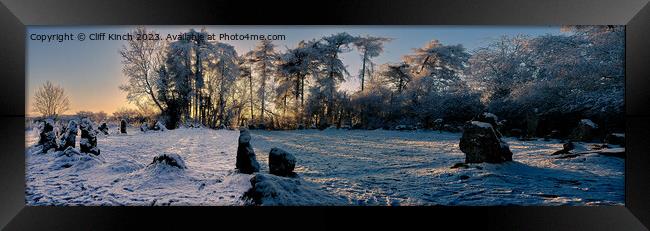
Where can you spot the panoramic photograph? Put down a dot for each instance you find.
(325, 116)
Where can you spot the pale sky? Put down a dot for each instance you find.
(91, 71)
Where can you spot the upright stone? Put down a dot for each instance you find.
(104, 128)
(123, 126)
(490, 118)
(585, 131)
(69, 136)
(480, 143)
(532, 121)
(281, 163)
(246, 161)
(487, 117)
(47, 138)
(438, 124)
(88, 142)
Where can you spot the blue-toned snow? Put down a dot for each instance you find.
(361, 167)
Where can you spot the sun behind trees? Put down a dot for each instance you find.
(50, 100)
(197, 82)
(434, 125)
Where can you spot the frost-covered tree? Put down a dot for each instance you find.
(224, 63)
(179, 75)
(559, 78)
(501, 65)
(370, 47)
(296, 65)
(437, 67)
(371, 107)
(437, 77)
(333, 72)
(185, 63)
(50, 100)
(167, 93)
(399, 75)
(246, 73)
(141, 59)
(264, 58)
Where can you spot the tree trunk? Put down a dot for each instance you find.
(363, 68)
(263, 87)
(250, 83)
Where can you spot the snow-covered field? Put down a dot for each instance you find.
(361, 167)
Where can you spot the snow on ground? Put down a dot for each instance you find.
(413, 168)
(361, 167)
(123, 175)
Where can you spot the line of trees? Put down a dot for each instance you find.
(206, 83)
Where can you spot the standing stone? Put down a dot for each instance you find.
(585, 131)
(104, 128)
(281, 163)
(69, 136)
(438, 124)
(487, 117)
(123, 126)
(246, 161)
(532, 121)
(47, 138)
(480, 143)
(88, 142)
(490, 118)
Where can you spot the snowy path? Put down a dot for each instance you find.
(364, 167)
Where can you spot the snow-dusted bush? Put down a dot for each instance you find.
(456, 106)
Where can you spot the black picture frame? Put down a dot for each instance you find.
(15, 15)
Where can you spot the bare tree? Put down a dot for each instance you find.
(140, 59)
(50, 100)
